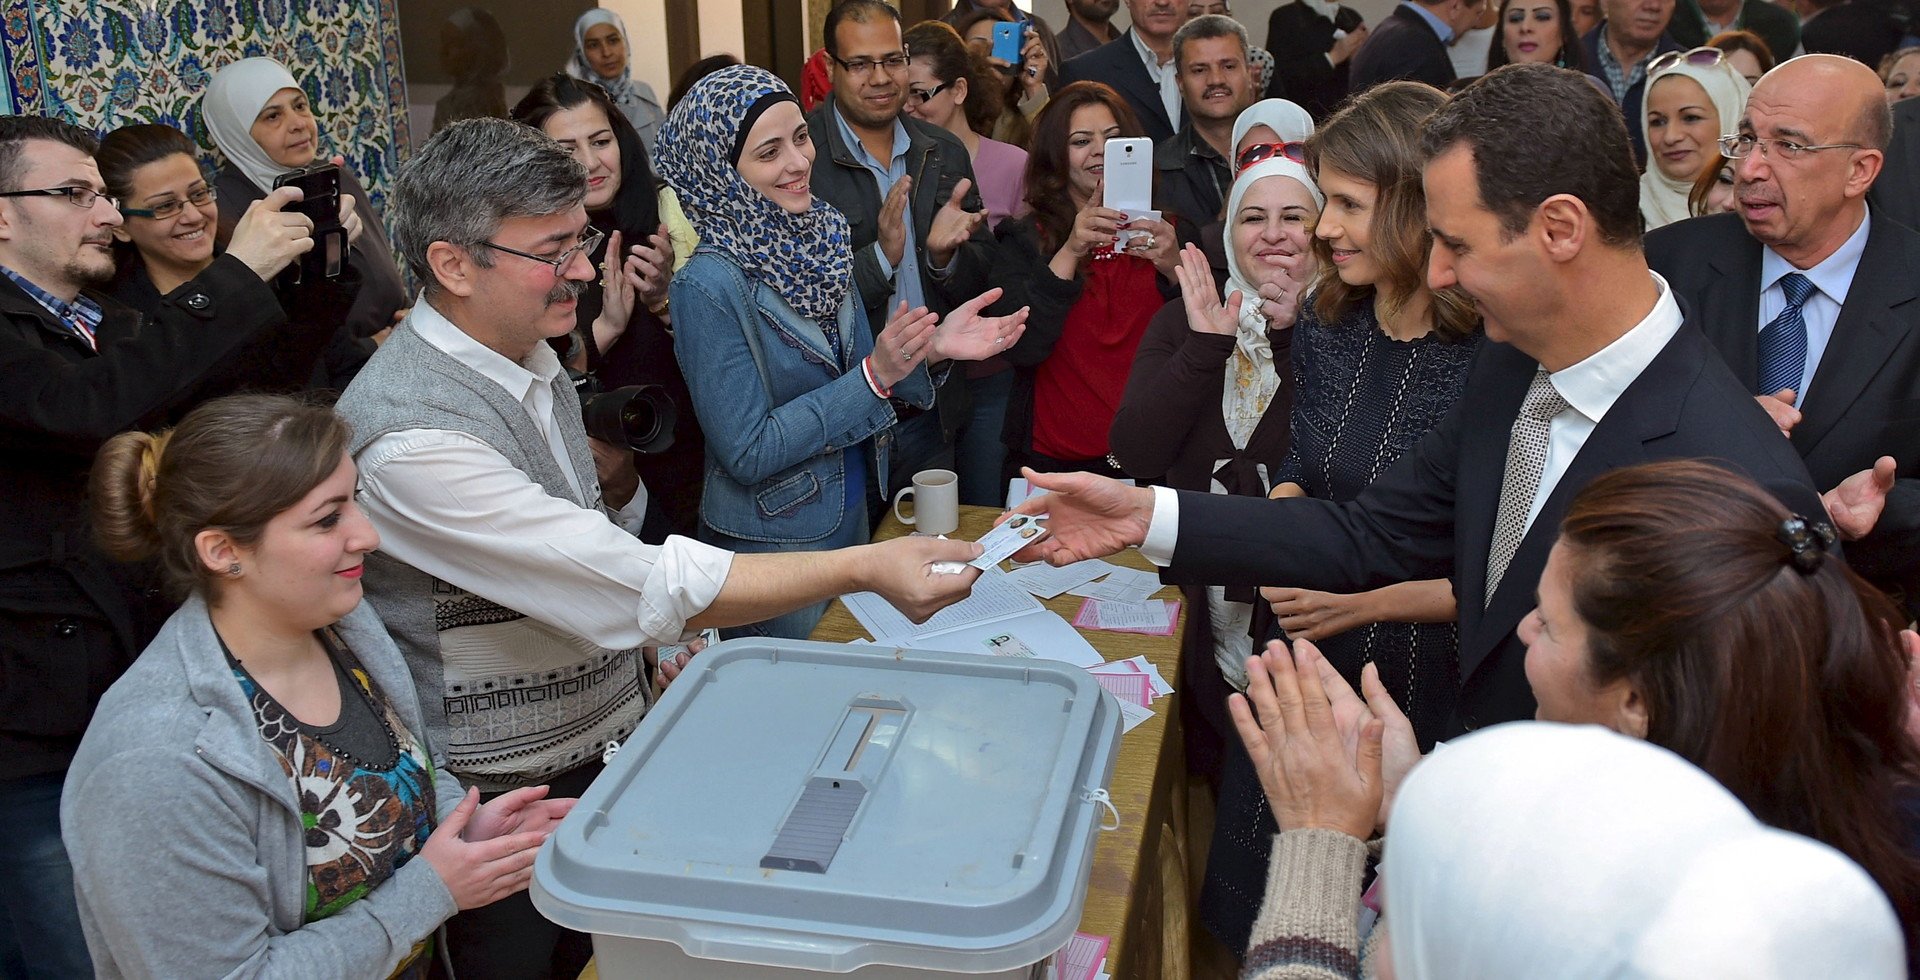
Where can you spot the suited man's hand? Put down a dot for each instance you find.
(1345, 47)
(1779, 405)
(1855, 505)
(1087, 516)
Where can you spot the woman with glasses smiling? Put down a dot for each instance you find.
(166, 238)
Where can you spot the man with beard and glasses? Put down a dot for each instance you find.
(919, 228)
(1810, 294)
(508, 571)
(1089, 25)
(1196, 164)
(76, 368)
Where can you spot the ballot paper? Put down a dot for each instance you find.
(1121, 585)
(1155, 617)
(1080, 959)
(998, 619)
(1047, 582)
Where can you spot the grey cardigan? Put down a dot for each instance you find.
(185, 834)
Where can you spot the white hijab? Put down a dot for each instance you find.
(1663, 200)
(1252, 379)
(1534, 850)
(1293, 123)
(232, 102)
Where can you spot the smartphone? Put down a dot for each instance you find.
(320, 202)
(1006, 42)
(1129, 174)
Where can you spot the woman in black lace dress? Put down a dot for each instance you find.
(1378, 359)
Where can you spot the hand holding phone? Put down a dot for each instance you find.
(320, 202)
(1006, 42)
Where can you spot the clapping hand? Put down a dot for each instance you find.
(902, 344)
(892, 223)
(1400, 750)
(966, 335)
(1313, 776)
(952, 225)
(483, 871)
(653, 262)
(521, 811)
(622, 278)
(1205, 312)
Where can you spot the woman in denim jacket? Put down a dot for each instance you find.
(790, 384)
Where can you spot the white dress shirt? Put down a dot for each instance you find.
(1831, 279)
(1589, 387)
(453, 507)
(1166, 75)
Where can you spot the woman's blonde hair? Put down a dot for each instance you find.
(232, 464)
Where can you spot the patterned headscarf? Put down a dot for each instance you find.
(807, 258)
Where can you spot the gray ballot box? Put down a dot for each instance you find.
(793, 808)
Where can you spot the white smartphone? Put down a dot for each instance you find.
(1129, 174)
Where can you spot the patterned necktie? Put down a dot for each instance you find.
(1783, 343)
(1526, 459)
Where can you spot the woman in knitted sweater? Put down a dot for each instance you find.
(1682, 605)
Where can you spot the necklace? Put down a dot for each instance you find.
(273, 729)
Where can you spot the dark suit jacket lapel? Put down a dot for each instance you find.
(1481, 471)
(1864, 338)
(1133, 76)
(1649, 409)
(1405, 13)
(1730, 307)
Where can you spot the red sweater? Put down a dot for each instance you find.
(1076, 390)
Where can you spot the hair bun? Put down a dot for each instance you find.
(1807, 542)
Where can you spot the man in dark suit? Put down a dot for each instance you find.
(1412, 44)
(1618, 52)
(1838, 365)
(1696, 21)
(1589, 385)
(1139, 66)
(1089, 25)
(1312, 52)
(918, 227)
(1897, 193)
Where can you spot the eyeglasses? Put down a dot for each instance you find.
(199, 198)
(1697, 57)
(922, 96)
(590, 239)
(79, 197)
(1256, 152)
(1739, 145)
(893, 63)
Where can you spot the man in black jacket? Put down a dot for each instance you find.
(1840, 369)
(918, 226)
(1216, 82)
(1590, 385)
(1897, 193)
(1313, 42)
(76, 369)
(1412, 44)
(1139, 66)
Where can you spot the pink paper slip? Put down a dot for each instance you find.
(1088, 618)
(1080, 957)
(1128, 687)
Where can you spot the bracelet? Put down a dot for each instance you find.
(662, 308)
(866, 368)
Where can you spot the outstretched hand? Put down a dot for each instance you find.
(1855, 505)
(1088, 516)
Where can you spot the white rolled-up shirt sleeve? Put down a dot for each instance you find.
(1163, 528)
(454, 508)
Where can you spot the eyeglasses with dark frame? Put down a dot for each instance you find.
(1256, 152)
(1735, 146)
(922, 96)
(862, 67)
(199, 198)
(589, 240)
(80, 197)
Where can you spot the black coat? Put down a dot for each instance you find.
(1117, 65)
(1431, 514)
(1403, 46)
(1636, 93)
(1896, 194)
(1299, 39)
(1864, 400)
(70, 619)
(1861, 31)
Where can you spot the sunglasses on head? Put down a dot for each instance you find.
(1256, 152)
(1697, 57)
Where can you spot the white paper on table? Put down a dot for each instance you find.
(1122, 585)
(994, 598)
(1048, 582)
(1043, 632)
(1131, 715)
(1154, 614)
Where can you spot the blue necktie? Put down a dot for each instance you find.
(1783, 343)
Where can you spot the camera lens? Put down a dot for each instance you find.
(640, 417)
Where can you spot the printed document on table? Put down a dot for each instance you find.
(1048, 582)
(994, 598)
(999, 618)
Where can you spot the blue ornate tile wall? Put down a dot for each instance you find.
(107, 63)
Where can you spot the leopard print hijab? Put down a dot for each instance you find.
(807, 258)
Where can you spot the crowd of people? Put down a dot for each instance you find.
(1547, 367)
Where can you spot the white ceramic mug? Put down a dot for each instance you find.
(936, 502)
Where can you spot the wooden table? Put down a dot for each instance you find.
(1137, 893)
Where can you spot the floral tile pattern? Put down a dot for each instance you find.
(106, 63)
